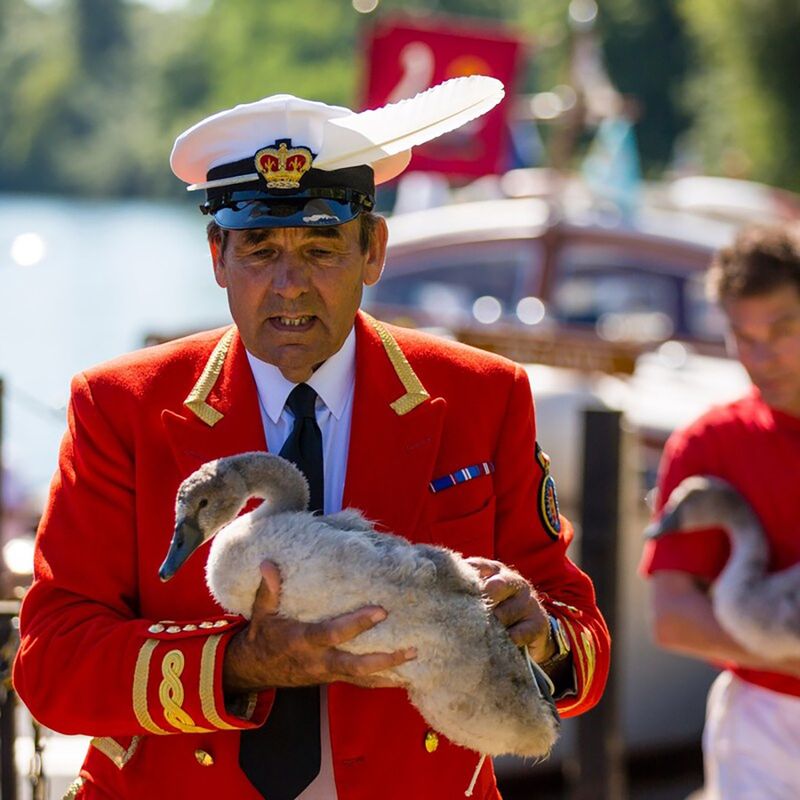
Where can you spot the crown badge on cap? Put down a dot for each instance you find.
(282, 165)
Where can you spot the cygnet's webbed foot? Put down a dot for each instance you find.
(543, 684)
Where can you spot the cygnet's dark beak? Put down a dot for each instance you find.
(186, 539)
(670, 521)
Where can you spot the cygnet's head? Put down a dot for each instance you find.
(207, 500)
(701, 501)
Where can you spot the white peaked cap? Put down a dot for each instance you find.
(338, 137)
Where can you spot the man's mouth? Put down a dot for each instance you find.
(300, 323)
(769, 384)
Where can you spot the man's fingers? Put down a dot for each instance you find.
(377, 681)
(268, 596)
(524, 632)
(337, 630)
(485, 567)
(504, 585)
(513, 609)
(352, 665)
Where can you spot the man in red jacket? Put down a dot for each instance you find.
(752, 734)
(431, 440)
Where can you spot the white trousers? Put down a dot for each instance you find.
(751, 742)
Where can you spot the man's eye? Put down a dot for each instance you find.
(786, 328)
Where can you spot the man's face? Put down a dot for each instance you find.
(294, 292)
(765, 330)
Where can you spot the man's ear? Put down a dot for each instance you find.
(376, 254)
(215, 247)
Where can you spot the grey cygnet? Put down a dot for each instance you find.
(761, 611)
(469, 681)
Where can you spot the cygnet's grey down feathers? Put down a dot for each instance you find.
(761, 611)
(469, 680)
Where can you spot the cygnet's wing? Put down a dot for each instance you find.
(775, 604)
(349, 519)
(761, 612)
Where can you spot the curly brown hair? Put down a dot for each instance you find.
(761, 259)
(367, 219)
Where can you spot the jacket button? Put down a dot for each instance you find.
(203, 758)
(431, 741)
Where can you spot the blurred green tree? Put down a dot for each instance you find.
(93, 92)
(744, 92)
(647, 54)
(103, 36)
(38, 69)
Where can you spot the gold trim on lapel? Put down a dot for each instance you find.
(196, 400)
(415, 391)
(391, 456)
(234, 396)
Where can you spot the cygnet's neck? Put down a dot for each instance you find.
(272, 479)
(749, 551)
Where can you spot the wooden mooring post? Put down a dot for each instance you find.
(596, 769)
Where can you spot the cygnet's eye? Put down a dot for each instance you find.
(203, 503)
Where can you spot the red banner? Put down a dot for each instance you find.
(405, 57)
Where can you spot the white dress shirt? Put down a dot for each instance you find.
(334, 383)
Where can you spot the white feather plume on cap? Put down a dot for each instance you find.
(380, 138)
(393, 129)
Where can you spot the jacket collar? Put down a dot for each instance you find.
(220, 415)
(394, 434)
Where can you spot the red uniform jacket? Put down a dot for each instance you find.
(110, 651)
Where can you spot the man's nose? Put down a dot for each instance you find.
(762, 352)
(289, 276)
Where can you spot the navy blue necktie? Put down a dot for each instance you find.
(304, 445)
(282, 757)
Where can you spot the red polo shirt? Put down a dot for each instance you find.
(757, 450)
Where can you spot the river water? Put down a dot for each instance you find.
(81, 282)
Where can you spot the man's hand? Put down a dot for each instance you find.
(516, 606)
(684, 621)
(276, 651)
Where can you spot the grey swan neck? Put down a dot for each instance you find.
(749, 552)
(275, 481)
